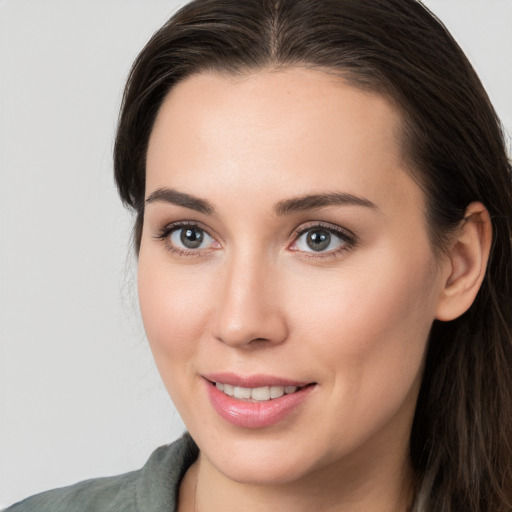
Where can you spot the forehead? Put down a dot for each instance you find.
(296, 129)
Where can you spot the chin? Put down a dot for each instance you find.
(262, 470)
(262, 459)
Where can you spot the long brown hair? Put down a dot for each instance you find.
(461, 440)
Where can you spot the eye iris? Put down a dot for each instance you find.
(191, 237)
(319, 239)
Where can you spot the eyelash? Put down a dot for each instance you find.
(169, 229)
(348, 239)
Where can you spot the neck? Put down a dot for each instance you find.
(383, 487)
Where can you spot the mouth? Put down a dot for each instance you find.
(257, 401)
(259, 394)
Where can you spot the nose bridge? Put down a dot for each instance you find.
(248, 308)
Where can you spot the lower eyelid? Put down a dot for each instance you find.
(165, 234)
(347, 240)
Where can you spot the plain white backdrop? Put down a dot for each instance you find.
(79, 394)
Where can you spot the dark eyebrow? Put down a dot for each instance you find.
(311, 202)
(285, 207)
(169, 195)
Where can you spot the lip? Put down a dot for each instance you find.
(254, 415)
(253, 381)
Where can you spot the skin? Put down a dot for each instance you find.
(256, 299)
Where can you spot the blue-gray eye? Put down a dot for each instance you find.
(319, 240)
(190, 237)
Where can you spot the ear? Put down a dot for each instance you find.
(466, 263)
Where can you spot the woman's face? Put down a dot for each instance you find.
(285, 250)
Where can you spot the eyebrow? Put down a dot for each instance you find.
(312, 202)
(281, 208)
(169, 195)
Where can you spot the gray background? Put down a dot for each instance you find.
(79, 395)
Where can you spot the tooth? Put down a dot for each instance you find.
(276, 391)
(241, 392)
(260, 394)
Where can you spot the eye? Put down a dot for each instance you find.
(322, 239)
(187, 238)
(190, 237)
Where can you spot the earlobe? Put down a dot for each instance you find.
(466, 263)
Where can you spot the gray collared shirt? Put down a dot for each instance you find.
(154, 488)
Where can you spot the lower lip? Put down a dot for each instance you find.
(256, 414)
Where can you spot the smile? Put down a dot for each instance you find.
(248, 403)
(259, 394)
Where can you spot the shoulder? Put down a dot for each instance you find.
(154, 488)
(101, 494)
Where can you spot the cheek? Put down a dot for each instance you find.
(174, 313)
(174, 309)
(373, 347)
(371, 324)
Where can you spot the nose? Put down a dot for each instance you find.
(249, 311)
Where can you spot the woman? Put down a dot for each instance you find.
(323, 233)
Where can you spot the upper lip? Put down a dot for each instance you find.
(253, 381)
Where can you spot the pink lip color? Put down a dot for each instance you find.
(253, 381)
(254, 414)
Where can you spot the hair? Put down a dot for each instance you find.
(461, 438)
